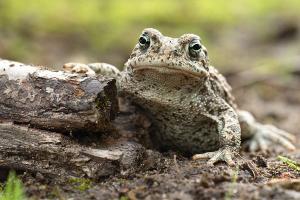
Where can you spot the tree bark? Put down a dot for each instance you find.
(58, 156)
(55, 100)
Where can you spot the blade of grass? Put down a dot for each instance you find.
(229, 194)
(291, 163)
(13, 189)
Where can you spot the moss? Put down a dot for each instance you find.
(80, 184)
(123, 198)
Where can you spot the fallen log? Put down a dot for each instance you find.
(58, 156)
(55, 100)
(37, 105)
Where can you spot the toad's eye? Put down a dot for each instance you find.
(194, 48)
(144, 42)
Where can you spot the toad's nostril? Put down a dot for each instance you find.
(155, 38)
(176, 52)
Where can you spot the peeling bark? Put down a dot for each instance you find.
(55, 100)
(59, 156)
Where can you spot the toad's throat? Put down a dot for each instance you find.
(170, 70)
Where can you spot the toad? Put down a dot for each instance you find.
(189, 103)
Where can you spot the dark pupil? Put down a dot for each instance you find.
(196, 47)
(143, 40)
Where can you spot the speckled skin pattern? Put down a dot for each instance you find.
(189, 108)
(188, 101)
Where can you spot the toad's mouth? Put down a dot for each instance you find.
(164, 69)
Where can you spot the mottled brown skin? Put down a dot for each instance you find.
(188, 110)
(189, 103)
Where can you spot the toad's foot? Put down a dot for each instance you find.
(92, 69)
(79, 68)
(223, 154)
(105, 69)
(263, 136)
(266, 135)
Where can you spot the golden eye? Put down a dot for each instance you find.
(144, 41)
(194, 48)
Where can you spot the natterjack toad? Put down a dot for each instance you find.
(189, 103)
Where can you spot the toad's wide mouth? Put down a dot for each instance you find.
(170, 70)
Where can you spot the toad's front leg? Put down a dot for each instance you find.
(229, 137)
(92, 69)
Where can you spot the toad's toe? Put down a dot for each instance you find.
(268, 135)
(78, 68)
(225, 154)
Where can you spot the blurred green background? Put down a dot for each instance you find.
(238, 34)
